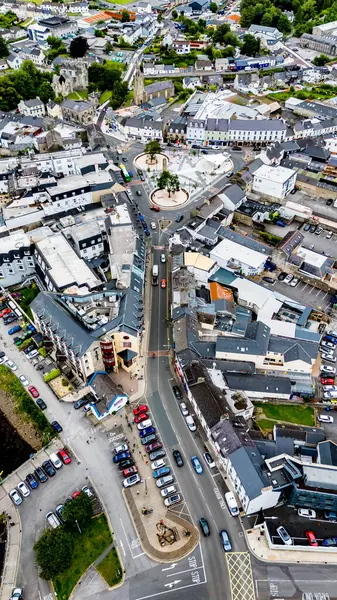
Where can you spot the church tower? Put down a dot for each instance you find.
(138, 88)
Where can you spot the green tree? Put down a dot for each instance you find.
(230, 39)
(119, 93)
(220, 32)
(152, 148)
(160, 17)
(99, 33)
(78, 47)
(53, 551)
(213, 7)
(229, 51)
(79, 509)
(125, 16)
(250, 46)
(3, 48)
(45, 92)
(283, 24)
(174, 14)
(321, 60)
(169, 182)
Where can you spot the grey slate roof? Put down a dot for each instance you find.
(255, 341)
(246, 241)
(291, 241)
(259, 383)
(234, 193)
(77, 105)
(293, 349)
(158, 86)
(247, 463)
(327, 453)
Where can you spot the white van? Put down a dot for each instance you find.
(190, 423)
(56, 461)
(232, 504)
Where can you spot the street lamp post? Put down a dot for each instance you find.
(78, 527)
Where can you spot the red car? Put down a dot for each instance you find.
(141, 418)
(130, 471)
(75, 494)
(33, 391)
(64, 456)
(156, 208)
(311, 538)
(163, 283)
(140, 409)
(4, 312)
(327, 380)
(154, 446)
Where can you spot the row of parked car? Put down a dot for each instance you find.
(327, 349)
(55, 519)
(41, 474)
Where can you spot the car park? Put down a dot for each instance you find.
(129, 481)
(175, 499)
(145, 424)
(23, 489)
(178, 458)
(197, 465)
(204, 527)
(53, 520)
(32, 481)
(209, 460)
(48, 468)
(157, 454)
(124, 464)
(288, 279)
(225, 541)
(311, 538)
(154, 446)
(15, 497)
(23, 380)
(190, 423)
(64, 456)
(143, 408)
(40, 475)
(161, 472)
(86, 490)
(121, 456)
(183, 409)
(177, 392)
(284, 535)
(166, 480)
(33, 391)
(147, 431)
(309, 513)
(56, 426)
(121, 448)
(148, 439)
(130, 471)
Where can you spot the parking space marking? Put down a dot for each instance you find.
(240, 575)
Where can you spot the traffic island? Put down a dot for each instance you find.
(169, 201)
(158, 163)
(163, 534)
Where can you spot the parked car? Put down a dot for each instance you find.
(40, 475)
(81, 402)
(328, 357)
(183, 409)
(33, 391)
(204, 527)
(145, 424)
(330, 542)
(209, 460)
(64, 456)
(147, 431)
(171, 489)
(157, 464)
(57, 426)
(86, 490)
(288, 279)
(179, 218)
(161, 472)
(32, 481)
(32, 354)
(306, 227)
(268, 279)
(330, 515)
(177, 392)
(121, 456)
(318, 230)
(197, 465)
(329, 235)
(284, 535)
(327, 369)
(178, 458)
(311, 538)
(23, 489)
(129, 481)
(154, 446)
(76, 494)
(155, 208)
(309, 513)
(294, 282)
(59, 511)
(130, 471)
(225, 541)
(327, 380)
(140, 418)
(23, 380)
(53, 520)
(15, 497)
(325, 419)
(313, 228)
(143, 408)
(125, 464)
(190, 423)
(148, 439)
(29, 349)
(121, 448)
(11, 365)
(14, 329)
(282, 276)
(330, 345)
(157, 454)
(175, 499)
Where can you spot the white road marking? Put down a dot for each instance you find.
(171, 567)
(181, 572)
(135, 543)
(173, 583)
(122, 546)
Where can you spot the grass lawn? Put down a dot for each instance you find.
(298, 414)
(105, 96)
(110, 568)
(120, 1)
(78, 95)
(88, 547)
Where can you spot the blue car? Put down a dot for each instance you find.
(15, 329)
(147, 431)
(225, 541)
(330, 542)
(121, 456)
(32, 482)
(161, 472)
(197, 465)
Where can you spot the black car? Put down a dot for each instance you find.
(282, 276)
(41, 404)
(313, 228)
(177, 392)
(32, 481)
(178, 458)
(329, 202)
(2, 354)
(10, 319)
(57, 426)
(40, 474)
(148, 439)
(29, 349)
(204, 526)
(80, 403)
(48, 468)
(179, 218)
(268, 279)
(124, 464)
(16, 339)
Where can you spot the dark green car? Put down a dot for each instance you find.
(204, 527)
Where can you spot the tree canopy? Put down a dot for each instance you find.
(24, 84)
(125, 16)
(78, 47)
(79, 509)
(3, 48)
(251, 45)
(53, 551)
(213, 7)
(152, 148)
(168, 181)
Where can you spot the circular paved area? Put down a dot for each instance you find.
(159, 164)
(162, 199)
